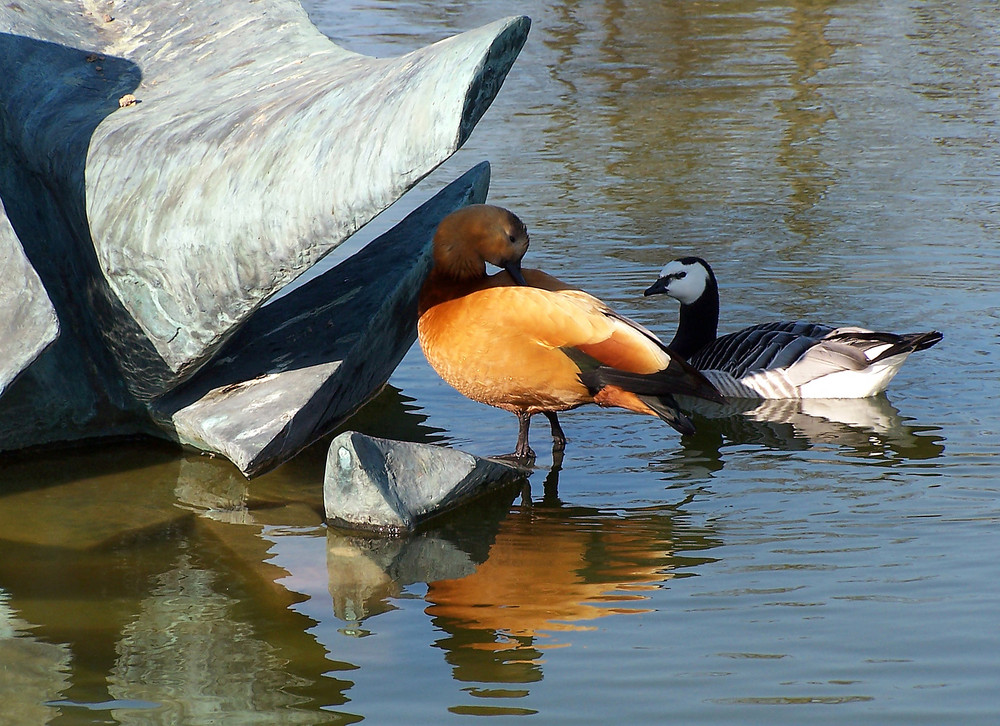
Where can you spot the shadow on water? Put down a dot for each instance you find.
(867, 429)
(393, 414)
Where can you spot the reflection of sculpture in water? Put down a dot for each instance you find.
(34, 672)
(183, 647)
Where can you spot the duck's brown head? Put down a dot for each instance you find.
(469, 238)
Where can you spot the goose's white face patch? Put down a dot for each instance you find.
(684, 283)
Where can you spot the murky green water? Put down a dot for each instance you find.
(836, 161)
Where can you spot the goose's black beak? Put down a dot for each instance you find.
(513, 268)
(657, 288)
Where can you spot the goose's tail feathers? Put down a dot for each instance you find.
(909, 343)
(903, 344)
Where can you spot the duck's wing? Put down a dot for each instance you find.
(627, 355)
(591, 304)
(593, 336)
(571, 318)
(759, 347)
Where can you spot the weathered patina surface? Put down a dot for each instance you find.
(167, 167)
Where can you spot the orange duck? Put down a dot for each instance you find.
(523, 341)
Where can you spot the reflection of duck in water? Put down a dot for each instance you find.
(525, 342)
(367, 572)
(551, 570)
(779, 360)
(532, 583)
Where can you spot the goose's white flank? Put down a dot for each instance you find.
(782, 359)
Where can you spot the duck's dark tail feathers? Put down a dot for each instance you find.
(677, 378)
(646, 392)
(667, 409)
(653, 390)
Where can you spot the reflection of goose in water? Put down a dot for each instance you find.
(870, 427)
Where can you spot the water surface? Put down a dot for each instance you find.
(832, 563)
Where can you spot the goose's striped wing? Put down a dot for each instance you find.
(759, 347)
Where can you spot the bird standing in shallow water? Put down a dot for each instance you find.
(525, 342)
(779, 360)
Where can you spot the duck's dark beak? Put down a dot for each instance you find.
(513, 268)
(657, 288)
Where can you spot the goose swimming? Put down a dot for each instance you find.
(525, 342)
(781, 359)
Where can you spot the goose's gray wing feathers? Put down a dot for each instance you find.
(760, 347)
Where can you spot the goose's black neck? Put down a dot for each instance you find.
(698, 324)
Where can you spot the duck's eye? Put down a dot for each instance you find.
(512, 238)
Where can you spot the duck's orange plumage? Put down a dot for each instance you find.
(525, 342)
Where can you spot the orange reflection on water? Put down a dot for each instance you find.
(550, 571)
(553, 569)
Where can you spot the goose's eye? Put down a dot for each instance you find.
(680, 275)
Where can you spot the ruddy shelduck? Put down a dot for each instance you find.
(527, 343)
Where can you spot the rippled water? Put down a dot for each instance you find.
(834, 563)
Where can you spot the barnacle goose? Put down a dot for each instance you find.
(782, 359)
